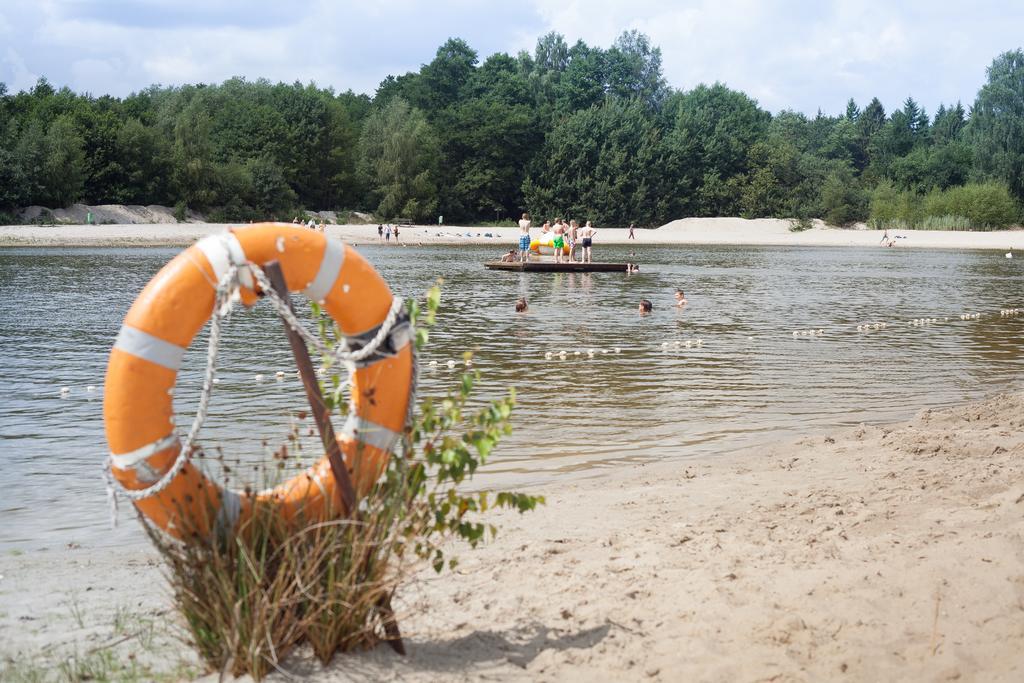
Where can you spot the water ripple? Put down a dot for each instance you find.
(750, 381)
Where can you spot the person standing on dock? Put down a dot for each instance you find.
(524, 238)
(586, 234)
(559, 240)
(571, 230)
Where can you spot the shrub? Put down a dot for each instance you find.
(180, 211)
(975, 206)
(800, 224)
(250, 595)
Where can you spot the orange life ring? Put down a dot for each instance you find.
(138, 409)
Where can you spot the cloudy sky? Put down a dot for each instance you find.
(801, 54)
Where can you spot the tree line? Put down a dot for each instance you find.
(574, 130)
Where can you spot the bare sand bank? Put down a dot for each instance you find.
(863, 554)
(738, 231)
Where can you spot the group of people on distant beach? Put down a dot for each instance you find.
(561, 234)
(385, 231)
(312, 225)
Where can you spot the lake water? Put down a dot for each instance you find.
(750, 381)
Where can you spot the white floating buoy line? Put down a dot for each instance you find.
(688, 343)
(1011, 312)
(868, 327)
(820, 332)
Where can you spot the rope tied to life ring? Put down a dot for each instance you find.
(226, 293)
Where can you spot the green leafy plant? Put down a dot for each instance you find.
(800, 224)
(250, 595)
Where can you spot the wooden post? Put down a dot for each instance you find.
(346, 491)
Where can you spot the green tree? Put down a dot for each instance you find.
(601, 164)
(842, 200)
(63, 171)
(709, 144)
(193, 176)
(997, 122)
(634, 69)
(399, 155)
(144, 158)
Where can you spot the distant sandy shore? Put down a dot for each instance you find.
(738, 231)
(863, 554)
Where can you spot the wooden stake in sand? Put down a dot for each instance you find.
(323, 424)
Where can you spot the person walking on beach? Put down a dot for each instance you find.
(586, 234)
(380, 232)
(885, 236)
(387, 233)
(396, 234)
(631, 235)
(524, 238)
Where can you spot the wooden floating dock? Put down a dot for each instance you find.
(552, 267)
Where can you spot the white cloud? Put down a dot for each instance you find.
(802, 54)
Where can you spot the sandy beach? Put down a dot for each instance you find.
(863, 554)
(739, 231)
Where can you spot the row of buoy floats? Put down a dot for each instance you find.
(688, 343)
(280, 375)
(590, 353)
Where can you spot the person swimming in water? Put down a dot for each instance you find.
(521, 305)
(645, 306)
(680, 298)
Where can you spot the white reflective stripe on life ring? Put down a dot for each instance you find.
(223, 250)
(131, 459)
(327, 275)
(370, 433)
(146, 346)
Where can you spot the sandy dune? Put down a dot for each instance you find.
(865, 554)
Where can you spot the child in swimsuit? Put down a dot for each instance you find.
(573, 229)
(558, 242)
